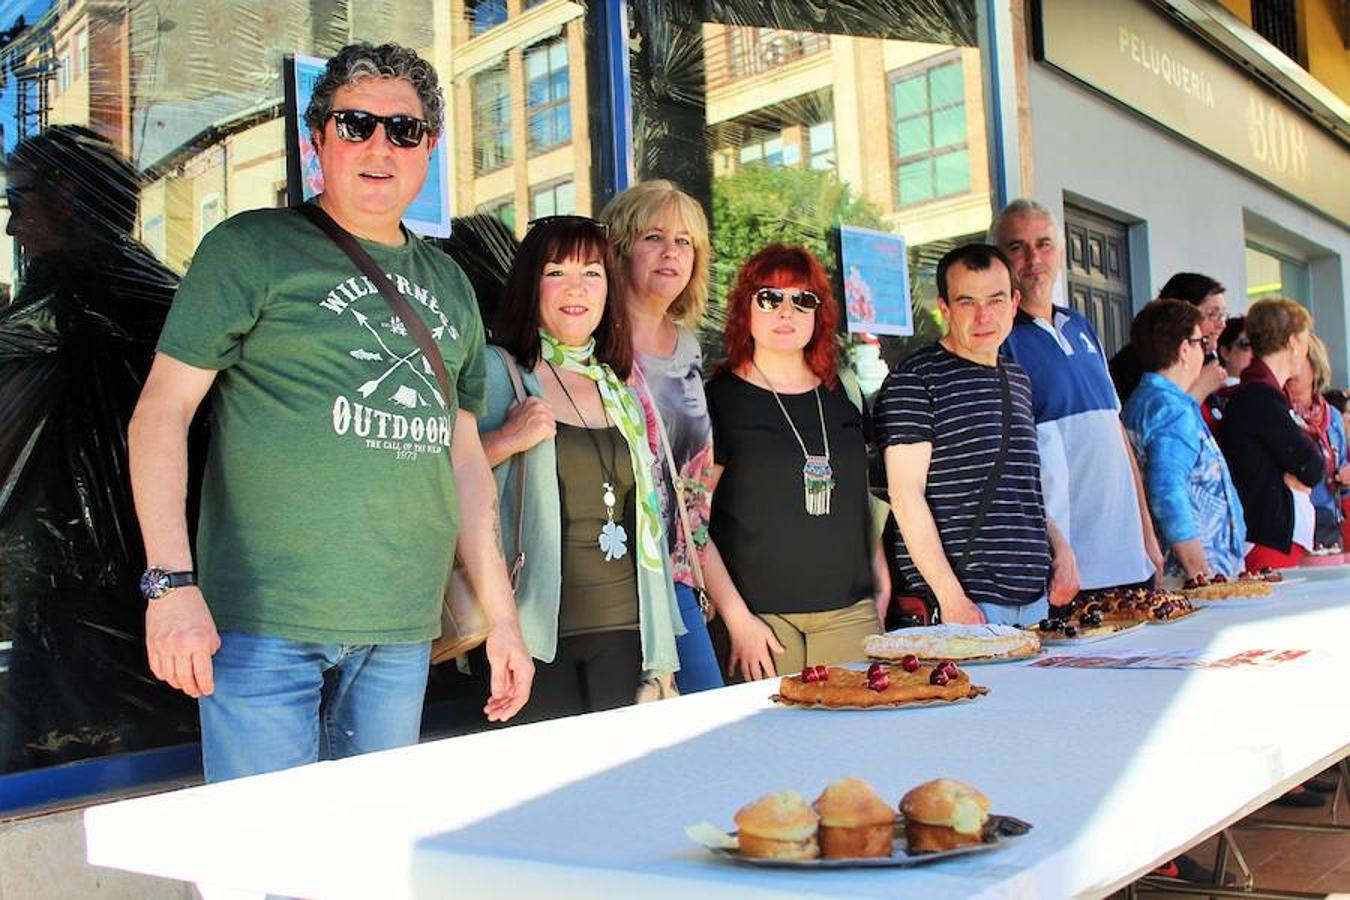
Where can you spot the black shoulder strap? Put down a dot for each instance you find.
(419, 332)
(417, 329)
(995, 473)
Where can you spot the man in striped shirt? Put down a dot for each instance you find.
(962, 462)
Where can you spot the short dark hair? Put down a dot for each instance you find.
(1232, 330)
(359, 61)
(1337, 397)
(104, 188)
(556, 240)
(1191, 287)
(1159, 329)
(977, 258)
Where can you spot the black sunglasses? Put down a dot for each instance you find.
(568, 218)
(769, 299)
(357, 125)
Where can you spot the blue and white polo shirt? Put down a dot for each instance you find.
(1086, 478)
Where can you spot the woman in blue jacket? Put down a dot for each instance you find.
(1191, 496)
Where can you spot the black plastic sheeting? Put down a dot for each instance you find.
(75, 346)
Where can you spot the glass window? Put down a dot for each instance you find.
(491, 120)
(484, 14)
(929, 127)
(547, 101)
(553, 200)
(503, 210)
(796, 117)
(821, 139)
(1274, 274)
(211, 212)
(177, 119)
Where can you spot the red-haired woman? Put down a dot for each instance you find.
(790, 512)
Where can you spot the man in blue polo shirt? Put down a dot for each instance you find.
(1089, 478)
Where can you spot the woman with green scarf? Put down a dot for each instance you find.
(595, 595)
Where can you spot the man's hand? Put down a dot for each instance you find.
(528, 423)
(753, 645)
(961, 611)
(180, 638)
(1063, 577)
(512, 671)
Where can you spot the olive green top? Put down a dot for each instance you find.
(597, 594)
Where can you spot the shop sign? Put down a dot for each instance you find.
(1129, 51)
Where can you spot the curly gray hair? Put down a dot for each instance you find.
(357, 62)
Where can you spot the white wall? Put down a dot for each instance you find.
(1192, 204)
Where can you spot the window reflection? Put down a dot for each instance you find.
(815, 116)
(183, 105)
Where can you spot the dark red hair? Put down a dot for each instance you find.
(781, 265)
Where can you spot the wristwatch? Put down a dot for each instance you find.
(155, 583)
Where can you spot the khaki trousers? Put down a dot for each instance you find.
(823, 638)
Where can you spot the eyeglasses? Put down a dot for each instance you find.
(357, 125)
(1217, 315)
(769, 299)
(1197, 341)
(1242, 344)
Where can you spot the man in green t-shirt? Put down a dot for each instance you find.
(330, 513)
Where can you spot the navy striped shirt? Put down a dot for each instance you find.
(935, 397)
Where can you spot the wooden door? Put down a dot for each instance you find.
(1097, 264)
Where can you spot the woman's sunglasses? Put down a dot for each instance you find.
(769, 299)
(357, 125)
(568, 219)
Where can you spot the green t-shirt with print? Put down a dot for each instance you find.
(328, 504)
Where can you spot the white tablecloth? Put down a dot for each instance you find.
(1118, 770)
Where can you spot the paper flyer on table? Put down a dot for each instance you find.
(1185, 658)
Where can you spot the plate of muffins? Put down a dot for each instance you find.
(850, 826)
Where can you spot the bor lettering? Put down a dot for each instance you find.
(1277, 139)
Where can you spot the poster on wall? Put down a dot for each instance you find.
(874, 271)
(429, 213)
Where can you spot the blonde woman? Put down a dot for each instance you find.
(660, 238)
(1323, 424)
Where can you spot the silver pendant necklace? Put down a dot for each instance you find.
(817, 474)
(613, 537)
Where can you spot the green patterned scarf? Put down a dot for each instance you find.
(625, 411)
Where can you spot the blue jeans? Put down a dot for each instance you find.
(997, 614)
(698, 662)
(280, 703)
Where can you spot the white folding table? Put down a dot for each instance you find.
(1118, 770)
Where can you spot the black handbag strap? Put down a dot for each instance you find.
(418, 331)
(995, 472)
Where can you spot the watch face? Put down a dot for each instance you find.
(154, 584)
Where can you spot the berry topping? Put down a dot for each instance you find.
(1046, 625)
(939, 677)
(808, 675)
(874, 670)
(910, 663)
(1070, 631)
(879, 683)
(1218, 579)
(822, 673)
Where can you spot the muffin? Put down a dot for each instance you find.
(854, 821)
(778, 826)
(942, 814)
